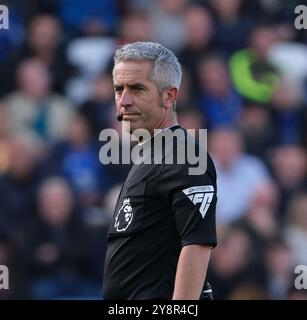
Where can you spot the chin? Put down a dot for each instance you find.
(126, 126)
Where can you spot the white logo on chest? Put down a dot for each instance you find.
(124, 216)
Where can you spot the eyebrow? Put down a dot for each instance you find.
(130, 86)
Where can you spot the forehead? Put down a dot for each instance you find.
(132, 71)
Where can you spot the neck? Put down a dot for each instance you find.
(156, 131)
(169, 120)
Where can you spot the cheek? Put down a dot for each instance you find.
(151, 107)
(116, 99)
(154, 112)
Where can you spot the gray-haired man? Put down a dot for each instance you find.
(160, 239)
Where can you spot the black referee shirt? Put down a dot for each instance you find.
(160, 209)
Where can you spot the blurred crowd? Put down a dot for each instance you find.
(245, 79)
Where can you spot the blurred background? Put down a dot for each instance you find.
(245, 79)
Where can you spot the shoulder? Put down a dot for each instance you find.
(187, 163)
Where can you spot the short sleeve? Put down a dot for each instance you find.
(192, 199)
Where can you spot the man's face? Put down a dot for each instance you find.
(136, 96)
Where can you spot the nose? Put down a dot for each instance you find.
(125, 99)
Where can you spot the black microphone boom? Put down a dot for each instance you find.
(119, 117)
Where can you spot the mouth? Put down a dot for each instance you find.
(130, 116)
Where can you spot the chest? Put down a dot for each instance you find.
(139, 205)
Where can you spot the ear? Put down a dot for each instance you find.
(169, 97)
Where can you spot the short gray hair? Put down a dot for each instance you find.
(166, 71)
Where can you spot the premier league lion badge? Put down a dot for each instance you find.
(124, 216)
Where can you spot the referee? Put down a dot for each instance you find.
(163, 228)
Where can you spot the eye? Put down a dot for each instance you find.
(138, 89)
(118, 90)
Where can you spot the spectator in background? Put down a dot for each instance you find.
(168, 23)
(303, 128)
(5, 259)
(248, 290)
(90, 52)
(256, 128)
(287, 113)
(229, 265)
(88, 17)
(76, 159)
(11, 38)
(252, 75)
(279, 269)
(58, 246)
(136, 26)
(100, 107)
(28, 10)
(4, 140)
(239, 174)
(141, 5)
(190, 118)
(296, 229)
(232, 27)
(290, 59)
(199, 33)
(185, 99)
(43, 42)
(34, 107)
(220, 103)
(261, 224)
(18, 187)
(277, 10)
(294, 294)
(289, 171)
(19, 184)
